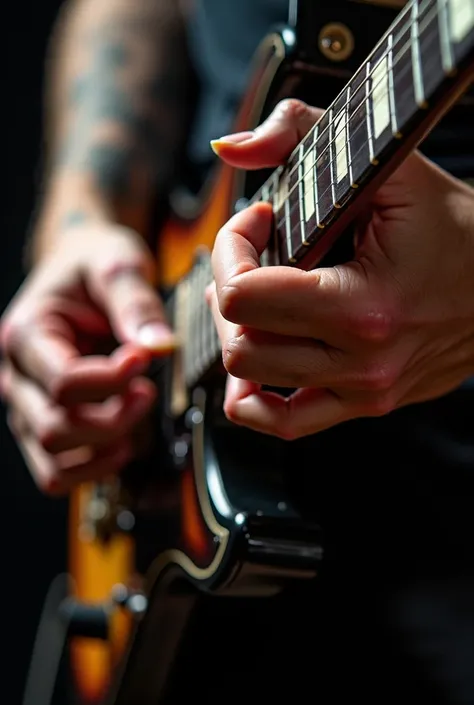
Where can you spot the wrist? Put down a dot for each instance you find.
(72, 199)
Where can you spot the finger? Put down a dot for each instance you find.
(306, 412)
(225, 329)
(40, 345)
(95, 378)
(339, 305)
(125, 289)
(280, 361)
(272, 142)
(56, 429)
(43, 349)
(58, 475)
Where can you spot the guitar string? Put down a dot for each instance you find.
(349, 116)
(404, 49)
(333, 158)
(201, 305)
(429, 40)
(198, 298)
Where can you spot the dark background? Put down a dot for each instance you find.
(34, 528)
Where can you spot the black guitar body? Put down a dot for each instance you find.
(227, 521)
(230, 518)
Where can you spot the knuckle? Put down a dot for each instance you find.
(234, 358)
(291, 109)
(12, 331)
(230, 299)
(376, 323)
(379, 377)
(51, 434)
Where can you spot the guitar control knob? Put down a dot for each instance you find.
(336, 41)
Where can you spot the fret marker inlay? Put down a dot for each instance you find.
(340, 144)
(381, 96)
(416, 60)
(461, 18)
(309, 195)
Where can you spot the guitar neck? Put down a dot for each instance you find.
(420, 66)
(416, 71)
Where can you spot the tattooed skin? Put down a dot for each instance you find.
(73, 218)
(127, 106)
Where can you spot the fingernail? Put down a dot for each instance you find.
(156, 336)
(236, 138)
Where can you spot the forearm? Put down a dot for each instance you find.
(115, 102)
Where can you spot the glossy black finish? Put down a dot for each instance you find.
(269, 531)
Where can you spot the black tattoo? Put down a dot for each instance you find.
(74, 217)
(147, 113)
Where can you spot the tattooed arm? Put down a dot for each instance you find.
(115, 122)
(116, 113)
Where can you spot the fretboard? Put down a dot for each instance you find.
(414, 64)
(421, 64)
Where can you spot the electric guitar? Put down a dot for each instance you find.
(220, 511)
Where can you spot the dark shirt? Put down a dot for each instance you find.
(391, 619)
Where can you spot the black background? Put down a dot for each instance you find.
(33, 527)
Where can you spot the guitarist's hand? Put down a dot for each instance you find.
(72, 406)
(395, 326)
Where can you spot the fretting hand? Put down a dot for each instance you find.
(394, 326)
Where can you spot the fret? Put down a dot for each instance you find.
(391, 89)
(461, 26)
(416, 60)
(330, 149)
(269, 255)
(370, 138)
(445, 39)
(301, 198)
(309, 184)
(295, 217)
(323, 170)
(403, 86)
(200, 315)
(358, 129)
(273, 191)
(461, 19)
(282, 216)
(381, 103)
(341, 149)
(430, 48)
(190, 327)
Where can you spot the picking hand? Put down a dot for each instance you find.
(72, 405)
(394, 326)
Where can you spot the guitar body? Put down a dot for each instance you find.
(102, 555)
(219, 512)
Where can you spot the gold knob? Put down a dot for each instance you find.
(336, 41)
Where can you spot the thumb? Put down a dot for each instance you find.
(123, 284)
(272, 142)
